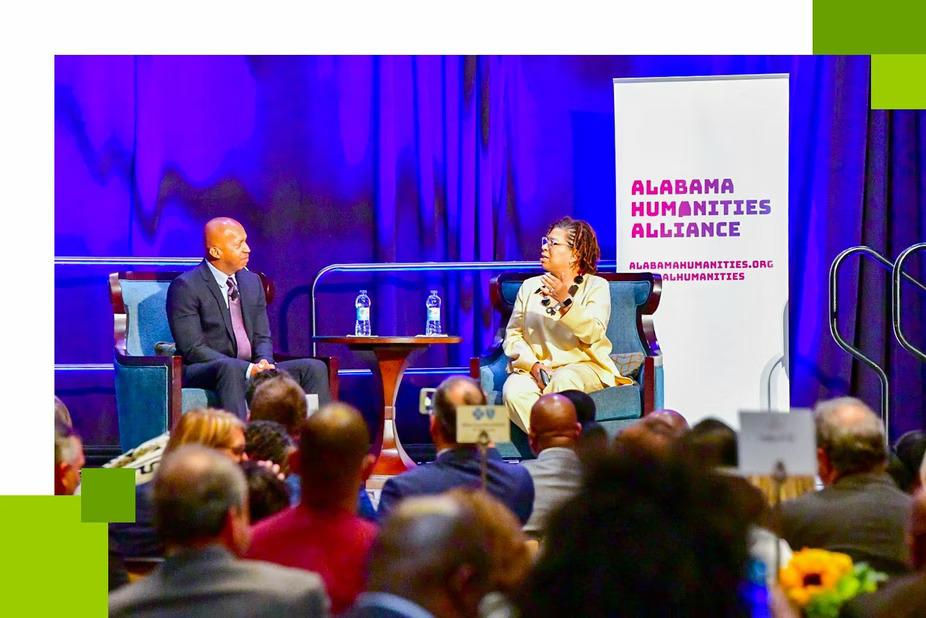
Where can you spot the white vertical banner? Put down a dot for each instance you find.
(702, 198)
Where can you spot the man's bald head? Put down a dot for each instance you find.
(226, 244)
(453, 392)
(656, 433)
(333, 453)
(553, 423)
(432, 550)
(850, 438)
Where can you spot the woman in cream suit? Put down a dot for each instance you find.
(555, 340)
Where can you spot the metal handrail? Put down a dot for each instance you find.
(845, 345)
(896, 273)
(422, 266)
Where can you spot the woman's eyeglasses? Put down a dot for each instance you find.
(549, 242)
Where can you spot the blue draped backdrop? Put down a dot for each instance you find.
(393, 159)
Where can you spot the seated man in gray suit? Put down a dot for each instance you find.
(557, 473)
(200, 510)
(860, 511)
(218, 317)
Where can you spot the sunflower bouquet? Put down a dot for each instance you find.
(818, 582)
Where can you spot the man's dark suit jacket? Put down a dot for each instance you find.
(459, 467)
(212, 582)
(862, 515)
(201, 322)
(902, 598)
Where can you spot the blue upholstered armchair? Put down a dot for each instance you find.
(149, 392)
(634, 299)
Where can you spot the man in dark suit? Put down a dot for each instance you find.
(200, 503)
(904, 597)
(557, 472)
(860, 511)
(458, 465)
(431, 558)
(218, 317)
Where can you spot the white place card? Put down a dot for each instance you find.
(473, 420)
(765, 438)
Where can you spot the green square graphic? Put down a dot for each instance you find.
(898, 82)
(54, 565)
(107, 495)
(865, 27)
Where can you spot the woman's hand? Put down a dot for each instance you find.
(535, 373)
(551, 285)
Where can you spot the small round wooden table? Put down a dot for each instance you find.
(387, 357)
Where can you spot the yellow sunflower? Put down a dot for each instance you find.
(812, 571)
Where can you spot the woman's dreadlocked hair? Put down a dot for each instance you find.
(583, 240)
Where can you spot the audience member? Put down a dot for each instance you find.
(62, 414)
(584, 405)
(431, 558)
(556, 472)
(267, 494)
(647, 535)
(905, 460)
(711, 446)
(905, 597)
(200, 512)
(280, 399)
(457, 464)
(323, 533)
(860, 511)
(256, 380)
(269, 441)
(69, 459)
(209, 427)
(510, 556)
(657, 432)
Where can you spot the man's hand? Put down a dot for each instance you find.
(551, 285)
(263, 365)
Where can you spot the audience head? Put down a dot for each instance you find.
(645, 535)
(509, 556)
(906, 459)
(432, 551)
(280, 399)
(69, 459)
(226, 244)
(62, 414)
(593, 441)
(657, 432)
(584, 405)
(850, 439)
(268, 441)
(200, 499)
(334, 457)
(581, 238)
(453, 392)
(917, 534)
(257, 379)
(210, 427)
(710, 443)
(267, 494)
(553, 423)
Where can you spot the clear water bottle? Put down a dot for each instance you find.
(433, 305)
(362, 325)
